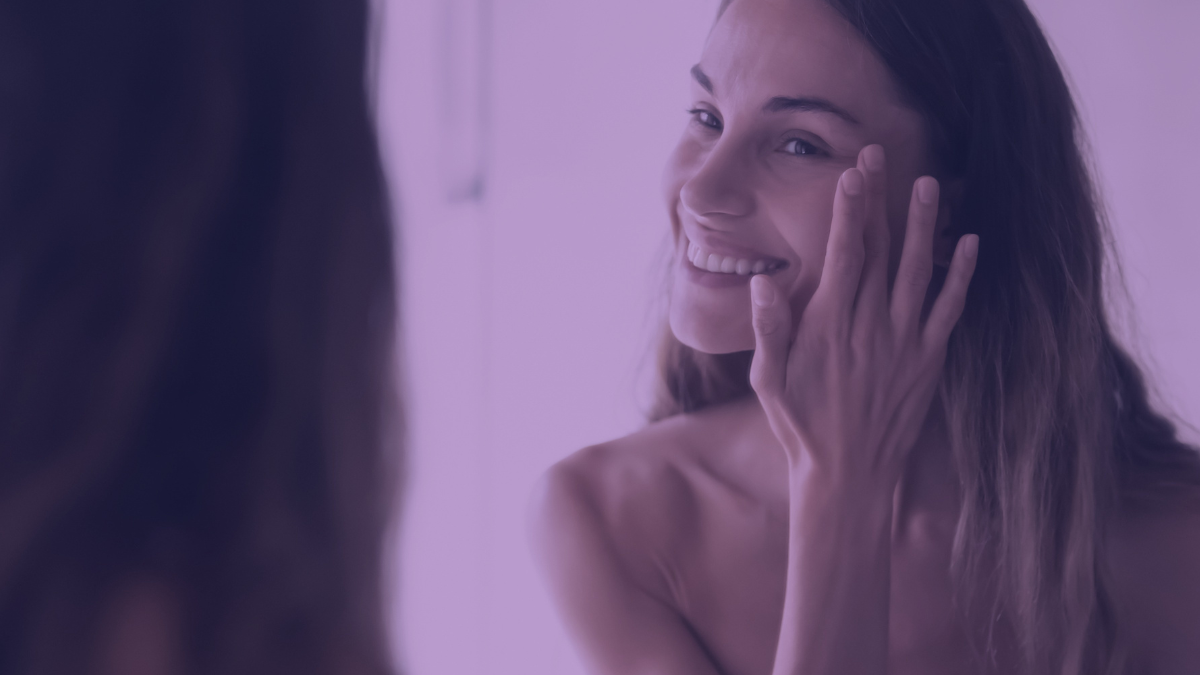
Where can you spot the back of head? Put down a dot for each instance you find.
(196, 310)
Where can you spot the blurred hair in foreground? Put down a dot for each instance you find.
(196, 307)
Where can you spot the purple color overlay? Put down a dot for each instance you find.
(530, 305)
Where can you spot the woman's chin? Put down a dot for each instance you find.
(711, 334)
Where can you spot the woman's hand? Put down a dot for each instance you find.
(847, 392)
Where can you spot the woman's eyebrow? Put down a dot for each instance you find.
(786, 103)
(701, 78)
(808, 104)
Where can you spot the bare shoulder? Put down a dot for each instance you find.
(605, 524)
(1154, 555)
(633, 492)
(654, 494)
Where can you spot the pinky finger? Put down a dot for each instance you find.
(953, 297)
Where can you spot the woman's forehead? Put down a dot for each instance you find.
(759, 49)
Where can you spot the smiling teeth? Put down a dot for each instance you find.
(723, 264)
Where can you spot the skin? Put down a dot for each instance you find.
(807, 530)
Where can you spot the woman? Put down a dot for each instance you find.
(195, 329)
(895, 432)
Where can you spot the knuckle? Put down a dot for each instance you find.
(965, 273)
(918, 273)
(956, 292)
(941, 325)
(765, 324)
(933, 340)
(830, 341)
(956, 310)
(847, 264)
(757, 379)
(760, 379)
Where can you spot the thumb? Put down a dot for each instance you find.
(772, 320)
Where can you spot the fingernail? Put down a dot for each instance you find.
(760, 291)
(927, 190)
(972, 246)
(852, 182)
(873, 157)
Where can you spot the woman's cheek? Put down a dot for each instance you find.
(804, 219)
(804, 214)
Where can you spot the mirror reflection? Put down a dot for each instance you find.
(670, 336)
(586, 344)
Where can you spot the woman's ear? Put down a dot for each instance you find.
(945, 232)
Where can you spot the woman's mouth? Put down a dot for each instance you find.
(717, 263)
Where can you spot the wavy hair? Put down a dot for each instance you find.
(1048, 416)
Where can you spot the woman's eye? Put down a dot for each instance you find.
(705, 118)
(799, 147)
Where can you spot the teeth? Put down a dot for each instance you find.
(724, 264)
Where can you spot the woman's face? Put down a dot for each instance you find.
(785, 96)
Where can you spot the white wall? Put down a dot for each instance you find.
(526, 317)
(1136, 71)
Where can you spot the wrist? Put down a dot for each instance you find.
(823, 498)
(833, 480)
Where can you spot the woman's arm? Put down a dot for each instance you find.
(846, 392)
(619, 624)
(835, 612)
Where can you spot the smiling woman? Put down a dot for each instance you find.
(895, 433)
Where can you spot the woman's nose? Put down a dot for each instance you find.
(720, 187)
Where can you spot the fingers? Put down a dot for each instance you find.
(916, 260)
(953, 297)
(772, 320)
(844, 252)
(872, 289)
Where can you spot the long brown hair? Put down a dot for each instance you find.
(1049, 417)
(196, 308)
